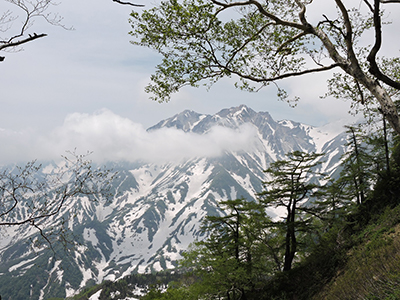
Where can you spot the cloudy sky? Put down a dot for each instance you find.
(91, 80)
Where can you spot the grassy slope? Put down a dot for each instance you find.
(353, 262)
(372, 269)
(359, 259)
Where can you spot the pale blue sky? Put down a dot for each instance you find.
(94, 67)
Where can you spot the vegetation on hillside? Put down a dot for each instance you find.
(335, 240)
(123, 288)
(340, 240)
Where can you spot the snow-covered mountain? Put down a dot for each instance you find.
(158, 207)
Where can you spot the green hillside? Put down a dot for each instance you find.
(356, 260)
(372, 268)
(338, 240)
(344, 243)
(352, 261)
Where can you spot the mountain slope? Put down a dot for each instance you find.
(158, 207)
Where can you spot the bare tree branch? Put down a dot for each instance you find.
(360, 91)
(4, 45)
(302, 13)
(43, 235)
(371, 8)
(332, 24)
(246, 42)
(128, 3)
(30, 198)
(27, 11)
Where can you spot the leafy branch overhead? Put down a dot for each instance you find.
(261, 43)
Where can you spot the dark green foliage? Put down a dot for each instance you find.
(358, 169)
(345, 247)
(363, 249)
(309, 276)
(290, 188)
(87, 292)
(372, 269)
(123, 288)
(233, 259)
(342, 248)
(385, 193)
(170, 294)
(349, 262)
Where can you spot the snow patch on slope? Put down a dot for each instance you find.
(324, 134)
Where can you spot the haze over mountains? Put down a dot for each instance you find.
(159, 205)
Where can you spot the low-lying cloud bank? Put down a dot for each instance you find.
(113, 138)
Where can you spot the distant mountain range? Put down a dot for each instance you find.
(158, 208)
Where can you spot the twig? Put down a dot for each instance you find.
(128, 3)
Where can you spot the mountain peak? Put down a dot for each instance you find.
(238, 114)
(233, 117)
(184, 121)
(158, 208)
(235, 111)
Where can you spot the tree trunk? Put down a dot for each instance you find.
(351, 66)
(291, 243)
(358, 180)
(386, 142)
(290, 248)
(388, 107)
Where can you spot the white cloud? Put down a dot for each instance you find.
(95, 66)
(111, 138)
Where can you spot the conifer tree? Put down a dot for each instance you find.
(291, 188)
(366, 160)
(234, 257)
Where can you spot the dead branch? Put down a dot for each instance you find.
(4, 45)
(27, 11)
(129, 3)
(29, 198)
